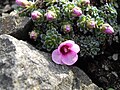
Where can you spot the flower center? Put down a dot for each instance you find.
(64, 49)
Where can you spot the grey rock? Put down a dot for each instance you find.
(14, 6)
(7, 8)
(4, 2)
(115, 57)
(22, 67)
(16, 26)
(0, 12)
(5, 14)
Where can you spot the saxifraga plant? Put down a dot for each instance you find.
(78, 20)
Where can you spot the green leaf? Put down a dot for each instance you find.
(43, 36)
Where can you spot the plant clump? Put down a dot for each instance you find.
(88, 25)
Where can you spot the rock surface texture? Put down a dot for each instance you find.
(22, 67)
(16, 26)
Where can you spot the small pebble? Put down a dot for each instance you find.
(115, 57)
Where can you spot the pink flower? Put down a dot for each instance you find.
(36, 15)
(50, 15)
(66, 53)
(76, 11)
(23, 3)
(106, 28)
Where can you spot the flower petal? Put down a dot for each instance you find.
(70, 58)
(68, 43)
(56, 57)
(75, 48)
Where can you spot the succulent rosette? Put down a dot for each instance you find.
(66, 53)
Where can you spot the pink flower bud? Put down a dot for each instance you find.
(50, 15)
(36, 15)
(91, 24)
(23, 3)
(33, 35)
(67, 28)
(76, 11)
(106, 28)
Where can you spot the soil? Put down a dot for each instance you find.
(103, 71)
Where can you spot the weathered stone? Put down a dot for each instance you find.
(22, 67)
(16, 26)
(4, 2)
(7, 9)
(0, 12)
(115, 56)
(14, 6)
